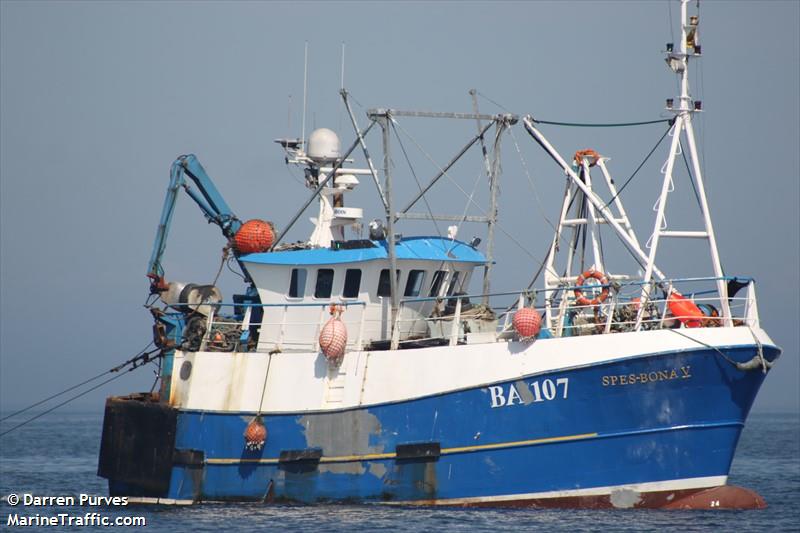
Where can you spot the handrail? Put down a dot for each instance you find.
(631, 283)
(457, 325)
(287, 304)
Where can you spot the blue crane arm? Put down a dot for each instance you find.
(221, 213)
(210, 201)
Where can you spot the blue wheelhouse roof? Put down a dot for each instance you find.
(424, 248)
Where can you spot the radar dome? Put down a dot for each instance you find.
(323, 145)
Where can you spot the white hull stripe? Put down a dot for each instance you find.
(220, 382)
(158, 501)
(653, 486)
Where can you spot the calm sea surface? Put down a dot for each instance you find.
(57, 455)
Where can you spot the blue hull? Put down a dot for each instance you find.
(671, 416)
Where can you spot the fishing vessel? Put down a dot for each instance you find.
(355, 367)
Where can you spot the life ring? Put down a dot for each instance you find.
(589, 154)
(580, 299)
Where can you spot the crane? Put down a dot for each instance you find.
(208, 199)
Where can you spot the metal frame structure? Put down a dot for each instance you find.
(385, 117)
(679, 63)
(584, 215)
(579, 183)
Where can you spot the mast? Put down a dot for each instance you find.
(492, 218)
(689, 47)
(387, 175)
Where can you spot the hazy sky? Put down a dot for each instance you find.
(98, 98)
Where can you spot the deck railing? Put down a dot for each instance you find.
(455, 319)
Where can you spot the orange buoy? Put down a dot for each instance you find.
(254, 236)
(255, 435)
(333, 337)
(590, 154)
(527, 322)
(580, 299)
(685, 310)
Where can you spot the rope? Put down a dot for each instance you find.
(264, 388)
(756, 362)
(600, 125)
(764, 363)
(15, 413)
(28, 421)
(98, 376)
(225, 252)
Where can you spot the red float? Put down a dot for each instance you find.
(255, 435)
(527, 322)
(254, 236)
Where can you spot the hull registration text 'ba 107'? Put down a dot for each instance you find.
(520, 392)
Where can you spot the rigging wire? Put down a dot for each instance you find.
(98, 376)
(294, 177)
(530, 180)
(504, 108)
(413, 173)
(144, 355)
(482, 211)
(703, 120)
(28, 421)
(691, 179)
(15, 413)
(600, 124)
(466, 205)
(619, 191)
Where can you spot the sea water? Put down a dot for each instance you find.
(56, 455)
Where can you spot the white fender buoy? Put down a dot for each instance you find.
(333, 337)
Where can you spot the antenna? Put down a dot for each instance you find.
(305, 92)
(342, 84)
(289, 116)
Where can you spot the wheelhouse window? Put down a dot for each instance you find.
(414, 282)
(324, 285)
(436, 283)
(352, 283)
(454, 285)
(385, 284)
(297, 285)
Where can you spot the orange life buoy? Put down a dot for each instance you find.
(588, 153)
(580, 299)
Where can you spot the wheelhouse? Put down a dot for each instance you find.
(356, 275)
